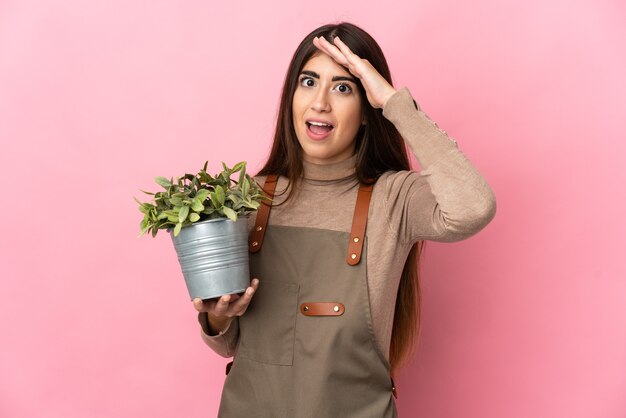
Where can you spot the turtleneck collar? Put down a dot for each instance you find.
(335, 171)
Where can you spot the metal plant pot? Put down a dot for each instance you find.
(213, 256)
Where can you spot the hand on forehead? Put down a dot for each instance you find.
(340, 53)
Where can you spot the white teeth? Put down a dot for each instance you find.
(319, 123)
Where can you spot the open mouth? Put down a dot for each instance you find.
(319, 128)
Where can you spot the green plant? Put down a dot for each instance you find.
(199, 197)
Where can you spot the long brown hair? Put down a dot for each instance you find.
(379, 148)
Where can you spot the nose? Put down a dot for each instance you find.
(320, 101)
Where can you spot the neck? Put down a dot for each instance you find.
(334, 171)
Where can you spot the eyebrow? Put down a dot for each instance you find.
(335, 78)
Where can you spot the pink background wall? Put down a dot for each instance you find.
(525, 319)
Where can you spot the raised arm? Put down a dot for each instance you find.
(449, 200)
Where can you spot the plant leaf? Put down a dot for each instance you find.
(242, 173)
(205, 177)
(182, 215)
(177, 229)
(202, 195)
(234, 198)
(194, 217)
(238, 166)
(176, 201)
(162, 181)
(145, 208)
(219, 194)
(197, 206)
(231, 214)
(214, 202)
(145, 228)
(252, 204)
(245, 187)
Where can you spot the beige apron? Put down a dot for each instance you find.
(306, 345)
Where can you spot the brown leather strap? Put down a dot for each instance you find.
(359, 221)
(258, 232)
(322, 308)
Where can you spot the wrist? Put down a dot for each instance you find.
(391, 92)
(216, 325)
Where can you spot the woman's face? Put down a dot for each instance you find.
(327, 93)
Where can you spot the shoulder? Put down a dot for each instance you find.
(280, 185)
(259, 179)
(399, 191)
(393, 182)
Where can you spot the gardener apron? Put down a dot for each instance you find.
(306, 344)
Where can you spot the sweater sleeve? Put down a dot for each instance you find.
(225, 342)
(448, 200)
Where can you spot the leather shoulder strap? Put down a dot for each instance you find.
(359, 221)
(258, 232)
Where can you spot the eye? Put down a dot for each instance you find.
(347, 89)
(306, 79)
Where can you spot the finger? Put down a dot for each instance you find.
(197, 303)
(204, 305)
(318, 44)
(221, 306)
(241, 305)
(351, 57)
(345, 49)
(331, 50)
(340, 49)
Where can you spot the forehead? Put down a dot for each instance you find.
(324, 65)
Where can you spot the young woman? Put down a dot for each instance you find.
(333, 307)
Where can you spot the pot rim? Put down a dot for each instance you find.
(219, 219)
(247, 215)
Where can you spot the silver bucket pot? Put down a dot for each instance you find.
(213, 256)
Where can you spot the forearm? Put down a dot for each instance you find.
(211, 325)
(426, 140)
(223, 342)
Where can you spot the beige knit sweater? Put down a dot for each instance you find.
(447, 201)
